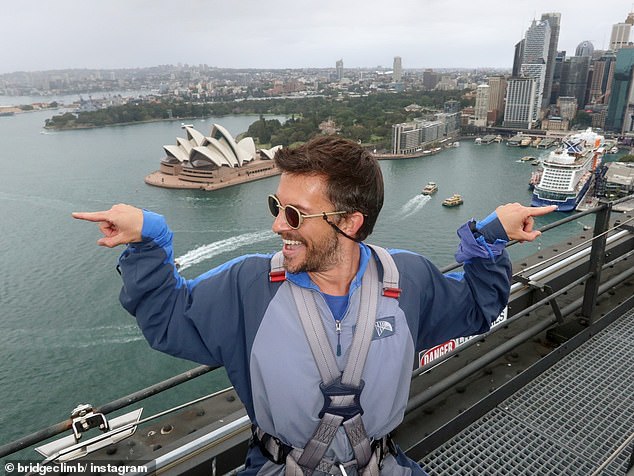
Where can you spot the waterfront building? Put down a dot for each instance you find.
(621, 94)
(497, 93)
(397, 74)
(211, 162)
(554, 20)
(567, 106)
(481, 105)
(520, 103)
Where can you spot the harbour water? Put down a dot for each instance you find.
(65, 340)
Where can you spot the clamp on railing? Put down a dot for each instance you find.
(544, 288)
(84, 418)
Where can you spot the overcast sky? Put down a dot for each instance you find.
(110, 34)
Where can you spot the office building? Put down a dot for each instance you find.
(397, 74)
(520, 103)
(585, 48)
(574, 78)
(481, 105)
(620, 36)
(602, 74)
(621, 93)
(534, 61)
(554, 20)
(497, 93)
(339, 66)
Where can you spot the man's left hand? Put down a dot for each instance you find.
(518, 220)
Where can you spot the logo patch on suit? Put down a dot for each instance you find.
(384, 327)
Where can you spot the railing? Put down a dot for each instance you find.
(593, 288)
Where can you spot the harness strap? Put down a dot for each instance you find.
(341, 390)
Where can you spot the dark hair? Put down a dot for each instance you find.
(353, 176)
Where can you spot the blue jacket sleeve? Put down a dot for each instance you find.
(460, 304)
(198, 320)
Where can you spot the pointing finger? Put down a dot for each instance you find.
(538, 211)
(91, 216)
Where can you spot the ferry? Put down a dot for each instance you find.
(567, 171)
(430, 188)
(453, 201)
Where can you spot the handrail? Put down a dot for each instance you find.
(142, 394)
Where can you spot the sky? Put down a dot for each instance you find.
(40, 35)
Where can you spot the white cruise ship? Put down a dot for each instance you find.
(567, 171)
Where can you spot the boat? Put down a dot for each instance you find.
(525, 142)
(527, 158)
(453, 201)
(478, 141)
(456, 144)
(613, 150)
(430, 188)
(567, 170)
(536, 176)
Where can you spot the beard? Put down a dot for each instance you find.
(319, 255)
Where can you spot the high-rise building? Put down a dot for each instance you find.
(397, 69)
(339, 66)
(567, 106)
(622, 90)
(430, 79)
(574, 78)
(497, 92)
(554, 20)
(534, 60)
(585, 48)
(620, 36)
(602, 74)
(518, 58)
(520, 103)
(481, 105)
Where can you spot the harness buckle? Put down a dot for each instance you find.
(346, 410)
(392, 292)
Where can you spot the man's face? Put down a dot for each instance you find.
(314, 246)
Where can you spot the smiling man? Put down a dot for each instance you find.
(343, 319)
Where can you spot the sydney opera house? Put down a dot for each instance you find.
(212, 162)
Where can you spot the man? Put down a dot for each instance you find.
(268, 326)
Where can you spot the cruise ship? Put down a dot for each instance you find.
(567, 171)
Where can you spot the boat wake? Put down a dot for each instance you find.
(413, 205)
(206, 252)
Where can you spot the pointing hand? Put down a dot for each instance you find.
(120, 225)
(518, 221)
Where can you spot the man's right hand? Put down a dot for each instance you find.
(120, 225)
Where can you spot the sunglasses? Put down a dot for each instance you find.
(292, 215)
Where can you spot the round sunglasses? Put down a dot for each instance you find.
(292, 215)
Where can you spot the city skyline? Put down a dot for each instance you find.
(70, 34)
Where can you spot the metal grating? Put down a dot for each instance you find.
(565, 422)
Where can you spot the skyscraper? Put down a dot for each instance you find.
(397, 74)
(339, 66)
(621, 91)
(603, 72)
(497, 92)
(620, 36)
(554, 20)
(585, 48)
(481, 105)
(520, 102)
(574, 78)
(534, 60)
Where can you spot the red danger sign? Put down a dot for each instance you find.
(432, 354)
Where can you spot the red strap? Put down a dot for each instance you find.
(392, 292)
(277, 276)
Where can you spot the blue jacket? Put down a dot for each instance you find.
(233, 316)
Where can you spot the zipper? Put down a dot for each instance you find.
(338, 329)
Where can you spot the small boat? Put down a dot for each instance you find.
(478, 141)
(613, 150)
(430, 188)
(453, 201)
(525, 142)
(527, 158)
